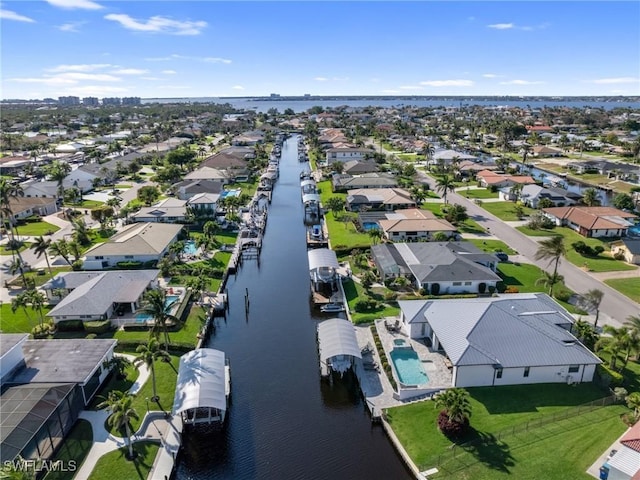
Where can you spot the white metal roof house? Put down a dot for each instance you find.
(625, 463)
(337, 345)
(508, 339)
(169, 210)
(138, 242)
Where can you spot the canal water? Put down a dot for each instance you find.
(284, 421)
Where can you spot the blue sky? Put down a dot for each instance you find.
(152, 48)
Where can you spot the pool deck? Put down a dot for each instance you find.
(376, 386)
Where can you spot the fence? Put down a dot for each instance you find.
(458, 450)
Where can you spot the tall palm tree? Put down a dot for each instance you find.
(156, 306)
(618, 340)
(590, 197)
(119, 406)
(552, 249)
(40, 247)
(592, 299)
(81, 232)
(444, 185)
(37, 300)
(58, 171)
(21, 301)
(148, 354)
(526, 150)
(61, 248)
(549, 280)
(585, 332)
(8, 192)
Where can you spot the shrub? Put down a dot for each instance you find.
(619, 255)
(482, 287)
(598, 249)
(366, 304)
(492, 289)
(98, 327)
(511, 289)
(450, 429)
(608, 378)
(70, 326)
(129, 264)
(42, 331)
(501, 287)
(562, 294)
(435, 288)
(91, 336)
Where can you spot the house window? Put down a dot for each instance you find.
(99, 257)
(128, 256)
(467, 283)
(499, 373)
(457, 284)
(574, 368)
(526, 371)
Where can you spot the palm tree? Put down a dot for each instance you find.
(526, 150)
(617, 341)
(119, 406)
(37, 300)
(17, 266)
(585, 332)
(455, 401)
(592, 301)
(81, 232)
(21, 301)
(375, 234)
(590, 197)
(40, 247)
(61, 248)
(549, 280)
(156, 306)
(633, 402)
(552, 249)
(444, 185)
(633, 322)
(8, 192)
(148, 354)
(58, 171)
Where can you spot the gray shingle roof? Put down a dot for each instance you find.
(138, 239)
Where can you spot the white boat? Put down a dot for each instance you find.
(332, 308)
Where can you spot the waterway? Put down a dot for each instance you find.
(284, 421)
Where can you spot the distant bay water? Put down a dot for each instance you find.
(304, 104)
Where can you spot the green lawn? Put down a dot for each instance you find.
(627, 286)
(468, 226)
(75, 446)
(481, 193)
(85, 204)
(35, 229)
(494, 410)
(505, 210)
(354, 291)
(115, 383)
(20, 321)
(530, 232)
(115, 465)
(9, 251)
(492, 246)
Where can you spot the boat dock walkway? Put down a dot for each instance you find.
(170, 442)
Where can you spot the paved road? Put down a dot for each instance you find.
(615, 307)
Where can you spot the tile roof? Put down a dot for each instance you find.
(593, 218)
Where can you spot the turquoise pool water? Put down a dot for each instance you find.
(143, 317)
(190, 248)
(370, 226)
(635, 230)
(230, 193)
(408, 366)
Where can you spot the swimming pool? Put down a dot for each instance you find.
(142, 317)
(635, 230)
(408, 366)
(370, 226)
(230, 193)
(190, 248)
(170, 300)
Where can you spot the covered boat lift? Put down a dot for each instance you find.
(337, 345)
(203, 388)
(312, 208)
(308, 186)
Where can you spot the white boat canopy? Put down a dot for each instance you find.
(311, 198)
(337, 337)
(322, 258)
(201, 381)
(304, 183)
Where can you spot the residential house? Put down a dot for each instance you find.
(208, 173)
(13, 165)
(625, 463)
(342, 182)
(188, 188)
(24, 207)
(592, 221)
(359, 167)
(346, 154)
(40, 188)
(629, 248)
(169, 210)
(491, 179)
(544, 151)
(532, 194)
(233, 161)
(138, 242)
(447, 157)
(413, 225)
(509, 339)
(204, 204)
(388, 199)
(248, 138)
(438, 267)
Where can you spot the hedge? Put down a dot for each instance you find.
(98, 326)
(70, 325)
(608, 377)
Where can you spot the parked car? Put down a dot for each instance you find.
(503, 257)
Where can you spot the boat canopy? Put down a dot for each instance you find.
(311, 198)
(337, 337)
(322, 258)
(304, 183)
(201, 381)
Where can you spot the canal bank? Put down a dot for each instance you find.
(284, 421)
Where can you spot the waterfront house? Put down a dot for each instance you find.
(358, 167)
(629, 248)
(91, 296)
(345, 154)
(544, 151)
(592, 221)
(489, 179)
(188, 188)
(413, 224)
(510, 339)
(208, 173)
(342, 182)
(388, 199)
(625, 463)
(204, 204)
(532, 194)
(46, 384)
(142, 243)
(438, 267)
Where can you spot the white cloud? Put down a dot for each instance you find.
(238, 87)
(96, 77)
(175, 87)
(68, 78)
(490, 75)
(613, 81)
(75, 4)
(321, 79)
(169, 72)
(152, 79)
(175, 56)
(448, 83)
(11, 15)
(212, 60)
(390, 92)
(71, 26)
(411, 87)
(502, 26)
(84, 67)
(95, 90)
(130, 71)
(53, 81)
(522, 82)
(158, 24)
